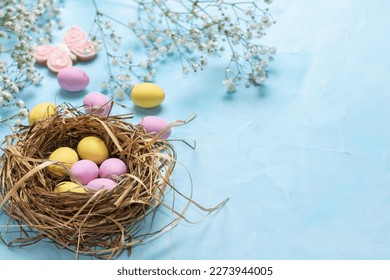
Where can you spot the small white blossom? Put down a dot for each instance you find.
(129, 55)
(108, 24)
(132, 23)
(37, 80)
(229, 84)
(120, 94)
(195, 66)
(260, 80)
(186, 70)
(6, 96)
(18, 122)
(23, 113)
(3, 66)
(148, 77)
(104, 85)
(144, 64)
(249, 11)
(115, 61)
(236, 56)
(20, 103)
(15, 88)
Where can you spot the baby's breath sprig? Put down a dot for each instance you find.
(193, 30)
(22, 25)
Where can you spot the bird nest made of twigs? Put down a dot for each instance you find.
(99, 223)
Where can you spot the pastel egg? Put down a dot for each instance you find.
(69, 187)
(147, 95)
(101, 183)
(154, 125)
(85, 171)
(93, 148)
(72, 79)
(112, 166)
(41, 111)
(66, 156)
(97, 103)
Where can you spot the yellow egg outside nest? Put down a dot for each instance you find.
(41, 111)
(66, 156)
(93, 148)
(69, 187)
(147, 95)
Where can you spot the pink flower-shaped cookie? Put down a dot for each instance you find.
(75, 47)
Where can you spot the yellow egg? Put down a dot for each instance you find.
(41, 111)
(93, 148)
(147, 95)
(65, 155)
(69, 187)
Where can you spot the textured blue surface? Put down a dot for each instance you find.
(304, 160)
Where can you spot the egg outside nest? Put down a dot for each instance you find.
(100, 223)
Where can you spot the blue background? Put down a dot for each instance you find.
(305, 160)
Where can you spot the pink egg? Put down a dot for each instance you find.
(85, 171)
(101, 183)
(72, 79)
(112, 166)
(155, 125)
(97, 103)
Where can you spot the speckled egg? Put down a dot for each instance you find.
(112, 167)
(72, 79)
(147, 95)
(41, 111)
(66, 156)
(154, 125)
(101, 183)
(97, 103)
(85, 171)
(93, 148)
(69, 187)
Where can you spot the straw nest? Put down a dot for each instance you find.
(101, 223)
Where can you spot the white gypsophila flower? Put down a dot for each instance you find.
(115, 61)
(132, 24)
(23, 113)
(229, 84)
(120, 94)
(104, 85)
(108, 24)
(37, 80)
(186, 70)
(272, 50)
(6, 96)
(20, 103)
(3, 66)
(148, 77)
(129, 55)
(15, 88)
(144, 64)
(18, 122)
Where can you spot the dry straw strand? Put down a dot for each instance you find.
(103, 223)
